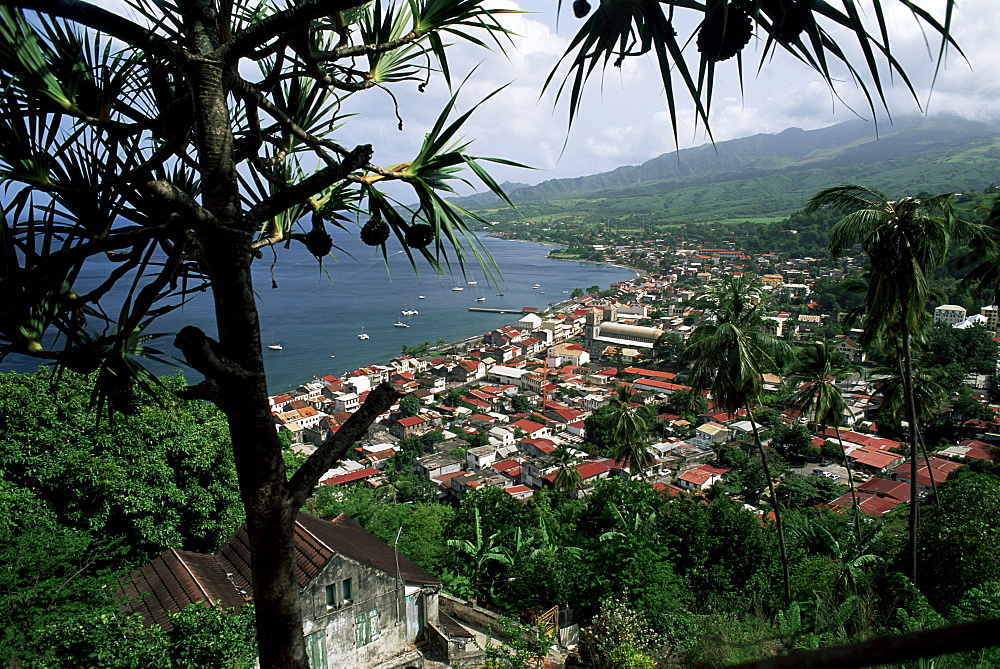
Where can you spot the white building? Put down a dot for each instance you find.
(949, 314)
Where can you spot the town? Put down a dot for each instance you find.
(503, 406)
(523, 409)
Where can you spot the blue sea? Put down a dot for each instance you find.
(316, 312)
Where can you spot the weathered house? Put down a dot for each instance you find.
(363, 605)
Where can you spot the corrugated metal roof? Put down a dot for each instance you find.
(176, 579)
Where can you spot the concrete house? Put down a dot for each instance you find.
(359, 609)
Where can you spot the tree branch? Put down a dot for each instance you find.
(889, 649)
(180, 202)
(335, 447)
(315, 183)
(108, 23)
(245, 42)
(204, 355)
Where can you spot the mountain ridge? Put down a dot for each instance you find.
(930, 154)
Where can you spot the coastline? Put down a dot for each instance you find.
(459, 345)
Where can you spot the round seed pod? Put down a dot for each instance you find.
(319, 242)
(419, 236)
(581, 8)
(375, 232)
(790, 18)
(724, 33)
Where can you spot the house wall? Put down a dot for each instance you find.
(373, 590)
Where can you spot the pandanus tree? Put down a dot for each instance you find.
(165, 153)
(813, 377)
(730, 356)
(180, 140)
(905, 241)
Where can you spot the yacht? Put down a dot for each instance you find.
(274, 347)
(480, 299)
(536, 286)
(459, 288)
(410, 312)
(363, 336)
(421, 297)
(400, 324)
(473, 283)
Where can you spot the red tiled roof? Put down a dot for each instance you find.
(411, 421)
(351, 476)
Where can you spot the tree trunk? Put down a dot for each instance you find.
(911, 417)
(854, 494)
(777, 509)
(236, 369)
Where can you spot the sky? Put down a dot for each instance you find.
(624, 118)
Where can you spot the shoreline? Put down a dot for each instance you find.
(461, 345)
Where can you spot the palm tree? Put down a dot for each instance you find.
(568, 477)
(628, 425)
(928, 394)
(814, 374)
(729, 358)
(905, 240)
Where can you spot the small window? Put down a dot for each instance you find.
(347, 590)
(331, 596)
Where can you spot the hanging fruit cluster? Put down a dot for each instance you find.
(724, 32)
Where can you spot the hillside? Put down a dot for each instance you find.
(773, 175)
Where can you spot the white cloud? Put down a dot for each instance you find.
(624, 119)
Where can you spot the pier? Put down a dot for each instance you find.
(502, 311)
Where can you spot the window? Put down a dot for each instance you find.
(366, 628)
(347, 590)
(316, 649)
(331, 596)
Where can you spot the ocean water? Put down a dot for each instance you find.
(316, 313)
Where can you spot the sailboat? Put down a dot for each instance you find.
(364, 335)
(274, 346)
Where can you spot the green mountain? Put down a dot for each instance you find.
(774, 175)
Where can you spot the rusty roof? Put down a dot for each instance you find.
(176, 579)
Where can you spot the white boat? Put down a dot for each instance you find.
(400, 324)
(536, 286)
(480, 299)
(363, 336)
(410, 312)
(421, 297)
(473, 283)
(274, 347)
(459, 288)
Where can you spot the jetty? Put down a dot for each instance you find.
(523, 310)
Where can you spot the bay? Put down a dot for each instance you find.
(316, 312)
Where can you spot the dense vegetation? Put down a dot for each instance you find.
(83, 502)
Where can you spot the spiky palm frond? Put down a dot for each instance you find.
(440, 162)
(817, 33)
